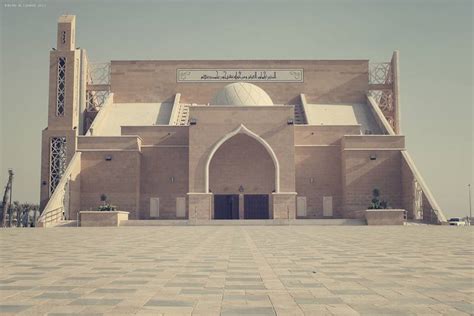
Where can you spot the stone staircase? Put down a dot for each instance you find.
(300, 117)
(183, 114)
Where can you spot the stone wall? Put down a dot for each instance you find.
(368, 163)
(215, 123)
(325, 81)
(318, 174)
(242, 161)
(164, 174)
(118, 179)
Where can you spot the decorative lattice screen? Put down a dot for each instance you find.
(57, 163)
(61, 93)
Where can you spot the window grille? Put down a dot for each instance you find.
(61, 93)
(57, 162)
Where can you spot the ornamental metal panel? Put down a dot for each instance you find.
(57, 162)
(61, 86)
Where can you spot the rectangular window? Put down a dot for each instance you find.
(57, 162)
(61, 86)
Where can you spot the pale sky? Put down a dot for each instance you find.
(435, 39)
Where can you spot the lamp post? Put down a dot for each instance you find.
(470, 204)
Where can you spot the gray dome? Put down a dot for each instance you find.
(241, 93)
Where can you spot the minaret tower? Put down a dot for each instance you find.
(67, 98)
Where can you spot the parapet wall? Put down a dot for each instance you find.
(324, 81)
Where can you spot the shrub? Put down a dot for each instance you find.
(106, 207)
(377, 204)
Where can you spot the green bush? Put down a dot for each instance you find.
(107, 207)
(377, 204)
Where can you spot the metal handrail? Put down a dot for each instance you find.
(54, 209)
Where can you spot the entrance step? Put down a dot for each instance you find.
(244, 222)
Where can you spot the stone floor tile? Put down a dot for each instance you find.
(284, 270)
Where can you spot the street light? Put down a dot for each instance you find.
(470, 204)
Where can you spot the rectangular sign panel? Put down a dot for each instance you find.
(249, 75)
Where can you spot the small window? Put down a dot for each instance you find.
(63, 37)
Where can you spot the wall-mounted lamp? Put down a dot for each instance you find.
(172, 179)
(192, 121)
(311, 180)
(373, 157)
(290, 122)
(241, 189)
(108, 157)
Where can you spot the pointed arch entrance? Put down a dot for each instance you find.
(242, 171)
(243, 130)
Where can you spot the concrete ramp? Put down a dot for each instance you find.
(134, 114)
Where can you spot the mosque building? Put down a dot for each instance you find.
(225, 139)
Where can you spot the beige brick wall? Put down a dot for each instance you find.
(374, 141)
(361, 175)
(119, 179)
(408, 189)
(284, 205)
(331, 81)
(323, 165)
(214, 123)
(242, 161)
(164, 174)
(160, 135)
(70, 118)
(200, 206)
(323, 135)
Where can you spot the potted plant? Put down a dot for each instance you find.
(380, 213)
(377, 204)
(106, 206)
(105, 215)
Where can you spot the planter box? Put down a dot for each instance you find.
(102, 219)
(385, 217)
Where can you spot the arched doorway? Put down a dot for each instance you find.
(242, 175)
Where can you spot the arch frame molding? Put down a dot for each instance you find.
(242, 129)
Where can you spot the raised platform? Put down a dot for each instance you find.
(243, 222)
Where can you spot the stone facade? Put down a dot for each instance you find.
(265, 154)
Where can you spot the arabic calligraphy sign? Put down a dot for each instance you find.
(214, 75)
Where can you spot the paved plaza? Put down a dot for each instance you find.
(238, 270)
